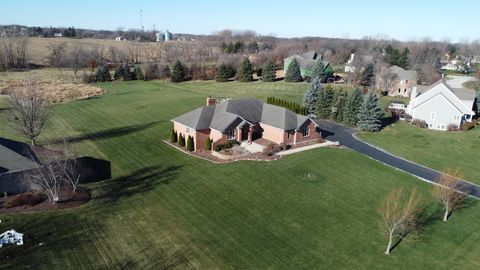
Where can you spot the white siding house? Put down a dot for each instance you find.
(440, 106)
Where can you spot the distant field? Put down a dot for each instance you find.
(167, 210)
(436, 149)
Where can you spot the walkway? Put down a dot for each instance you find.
(345, 135)
(304, 148)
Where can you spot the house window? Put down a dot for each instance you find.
(399, 90)
(430, 125)
(231, 134)
(288, 135)
(432, 116)
(306, 132)
(405, 90)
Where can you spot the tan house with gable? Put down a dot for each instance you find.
(245, 120)
(396, 81)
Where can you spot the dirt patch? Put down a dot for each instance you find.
(56, 91)
(36, 201)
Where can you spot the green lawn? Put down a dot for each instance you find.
(436, 149)
(311, 210)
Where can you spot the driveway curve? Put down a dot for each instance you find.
(346, 136)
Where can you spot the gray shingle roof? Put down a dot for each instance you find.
(11, 161)
(402, 74)
(308, 59)
(461, 93)
(233, 112)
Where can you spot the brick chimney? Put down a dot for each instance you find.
(211, 101)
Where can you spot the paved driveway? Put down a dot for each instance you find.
(345, 135)
(457, 81)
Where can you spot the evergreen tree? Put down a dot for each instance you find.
(268, 71)
(245, 71)
(165, 73)
(319, 70)
(190, 146)
(328, 72)
(119, 73)
(222, 73)
(340, 106)
(181, 140)
(477, 98)
(208, 144)
(311, 96)
(335, 99)
(178, 72)
(325, 102)
(352, 106)
(370, 114)
(173, 136)
(102, 74)
(293, 72)
(127, 76)
(138, 72)
(367, 75)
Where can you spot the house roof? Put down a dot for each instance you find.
(239, 111)
(461, 97)
(307, 59)
(402, 74)
(11, 159)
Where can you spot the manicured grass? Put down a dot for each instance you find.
(315, 209)
(436, 149)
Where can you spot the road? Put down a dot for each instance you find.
(345, 136)
(456, 81)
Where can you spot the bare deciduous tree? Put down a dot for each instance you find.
(77, 58)
(30, 109)
(56, 53)
(399, 218)
(13, 52)
(449, 191)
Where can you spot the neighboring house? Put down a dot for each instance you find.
(58, 35)
(354, 61)
(396, 81)
(458, 64)
(160, 36)
(439, 105)
(306, 61)
(168, 36)
(120, 38)
(244, 120)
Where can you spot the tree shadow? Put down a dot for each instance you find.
(386, 121)
(106, 134)
(137, 182)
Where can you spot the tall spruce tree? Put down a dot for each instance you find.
(325, 102)
(223, 73)
(370, 114)
(268, 71)
(352, 107)
(340, 106)
(293, 72)
(245, 71)
(102, 74)
(310, 99)
(138, 72)
(319, 70)
(178, 72)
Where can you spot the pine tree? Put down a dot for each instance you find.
(335, 99)
(293, 72)
(328, 72)
(352, 106)
(340, 106)
(138, 72)
(370, 114)
(181, 140)
(102, 74)
(268, 71)
(223, 73)
(319, 70)
(325, 102)
(311, 96)
(178, 72)
(126, 73)
(245, 71)
(173, 137)
(119, 73)
(208, 144)
(190, 146)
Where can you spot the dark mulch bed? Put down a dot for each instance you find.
(36, 201)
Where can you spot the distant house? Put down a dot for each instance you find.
(439, 105)
(168, 36)
(120, 38)
(58, 35)
(458, 64)
(244, 120)
(306, 62)
(355, 61)
(160, 36)
(396, 81)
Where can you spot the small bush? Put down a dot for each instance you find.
(419, 123)
(190, 144)
(283, 146)
(208, 144)
(181, 140)
(452, 127)
(227, 145)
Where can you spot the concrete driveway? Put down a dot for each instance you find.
(457, 81)
(345, 135)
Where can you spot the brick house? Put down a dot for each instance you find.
(245, 120)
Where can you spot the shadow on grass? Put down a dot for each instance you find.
(138, 182)
(106, 134)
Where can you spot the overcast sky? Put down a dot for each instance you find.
(403, 20)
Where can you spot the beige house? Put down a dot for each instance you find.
(244, 120)
(396, 81)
